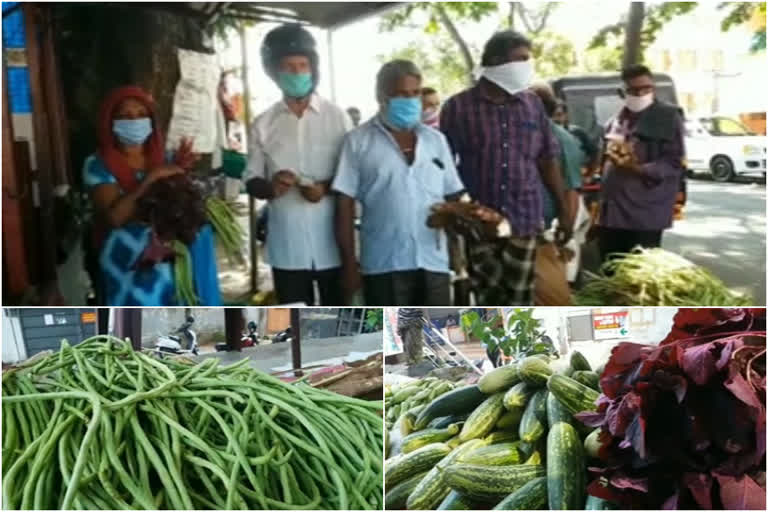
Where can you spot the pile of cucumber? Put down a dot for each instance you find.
(510, 442)
(411, 397)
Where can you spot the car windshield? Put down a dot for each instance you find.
(725, 127)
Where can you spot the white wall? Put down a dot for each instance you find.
(14, 349)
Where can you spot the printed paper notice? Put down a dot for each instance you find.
(194, 104)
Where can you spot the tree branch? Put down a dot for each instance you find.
(466, 54)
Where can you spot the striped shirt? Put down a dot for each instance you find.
(498, 147)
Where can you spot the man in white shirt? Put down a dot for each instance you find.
(293, 150)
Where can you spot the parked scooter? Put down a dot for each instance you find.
(283, 336)
(251, 338)
(182, 341)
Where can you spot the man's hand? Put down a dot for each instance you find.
(564, 228)
(185, 157)
(282, 181)
(351, 280)
(314, 193)
(486, 214)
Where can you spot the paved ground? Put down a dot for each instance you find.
(323, 351)
(724, 230)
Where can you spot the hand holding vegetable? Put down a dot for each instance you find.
(623, 156)
(315, 192)
(185, 157)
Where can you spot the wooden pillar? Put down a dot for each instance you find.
(296, 340)
(128, 325)
(40, 119)
(14, 243)
(234, 325)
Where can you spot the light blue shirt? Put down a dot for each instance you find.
(397, 197)
(300, 234)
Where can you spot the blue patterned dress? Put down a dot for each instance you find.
(125, 284)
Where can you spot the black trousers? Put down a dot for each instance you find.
(407, 288)
(298, 286)
(612, 240)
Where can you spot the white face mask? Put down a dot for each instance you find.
(638, 103)
(513, 77)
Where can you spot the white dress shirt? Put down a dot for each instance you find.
(300, 234)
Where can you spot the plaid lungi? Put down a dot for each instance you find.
(502, 271)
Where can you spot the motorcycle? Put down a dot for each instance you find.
(181, 341)
(251, 338)
(283, 336)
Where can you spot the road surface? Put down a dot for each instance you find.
(723, 230)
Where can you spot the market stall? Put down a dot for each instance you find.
(98, 424)
(678, 423)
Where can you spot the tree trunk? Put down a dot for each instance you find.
(466, 54)
(511, 17)
(632, 43)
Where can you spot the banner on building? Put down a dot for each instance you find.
(607, 326)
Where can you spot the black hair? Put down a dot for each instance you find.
(634, 71)
(501, 43)
(426, 91)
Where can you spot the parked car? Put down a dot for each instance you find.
(724, 147)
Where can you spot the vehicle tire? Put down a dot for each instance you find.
(722, 169)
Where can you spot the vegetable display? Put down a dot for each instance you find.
(101, 426)
(679, 425)
(413, 397)
(655, 277)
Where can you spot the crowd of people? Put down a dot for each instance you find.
(504, 144)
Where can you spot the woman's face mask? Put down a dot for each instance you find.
(403, 113)
(295, 85)
(132, 132)
(513, 77)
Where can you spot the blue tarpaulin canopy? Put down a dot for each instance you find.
(15, 37)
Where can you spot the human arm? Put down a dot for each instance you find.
(346, 184)
(551, 175)
(256, 182)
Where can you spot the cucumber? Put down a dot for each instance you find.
(502, 436)
(535, 459)
(432, 489)
(556, 412)
(415, 462)
(404, 394)
(574, 396)
(456, 501)
(386, 443)
(531, 427)
(453, 442)
(446, 421)
(397, 497)
(543, 357)
(589, 379)
(595, 503)
(518, 395)
(481, 421)
(534, 372)
(541, 407)
(566, 468)
(490, 482)
(501, 454)
(579, 362)
(510, 420)
(531, 496)
(458, 401)
(499, 379)
(592, 444)
(424, 437)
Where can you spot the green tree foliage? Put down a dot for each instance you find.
(554, 55)
(522, 335)
(656, 16)
(739, 13)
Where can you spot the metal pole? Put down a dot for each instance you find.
(234, 325)
(331, 67)
(296, 341)
(128, 325)
(252, 227)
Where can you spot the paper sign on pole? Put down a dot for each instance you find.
(608, 326)
(393, 344)
(194, 103)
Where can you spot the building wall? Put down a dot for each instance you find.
(13, 341)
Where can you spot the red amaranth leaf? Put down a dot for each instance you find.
(741, 493)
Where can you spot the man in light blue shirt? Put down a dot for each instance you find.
(398, 168)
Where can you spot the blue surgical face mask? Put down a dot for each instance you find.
(295, 85)
(403, 113)
(132, 132)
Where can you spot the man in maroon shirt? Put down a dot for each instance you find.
(501, 137)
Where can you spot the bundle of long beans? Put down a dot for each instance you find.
(229, 231)
(101, 426)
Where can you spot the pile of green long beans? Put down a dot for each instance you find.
(655, 277)
(101, 426)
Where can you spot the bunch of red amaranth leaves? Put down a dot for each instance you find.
(683, 423)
